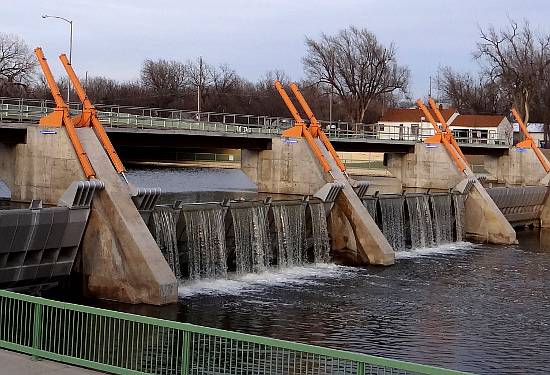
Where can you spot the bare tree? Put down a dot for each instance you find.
(357, 66)
(167, 79)
(471, 95)
(517, 59)
(17, 64)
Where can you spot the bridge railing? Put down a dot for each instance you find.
(21, 109)
(122, 343)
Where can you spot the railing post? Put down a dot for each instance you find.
(37, 330)
(360, 368)
(186, 353)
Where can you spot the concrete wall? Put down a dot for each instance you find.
(288, 168)
(426, 168)
(42, 168)
(515, 168)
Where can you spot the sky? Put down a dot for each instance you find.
(112, 38)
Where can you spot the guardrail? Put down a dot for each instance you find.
(22, 109)
(122, 343)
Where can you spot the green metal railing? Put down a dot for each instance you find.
(124, 343)
(114, 116)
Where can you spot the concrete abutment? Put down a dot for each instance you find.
(120, 259)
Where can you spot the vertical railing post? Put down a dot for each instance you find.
(37, 330)
(360, 368)
(186, 352)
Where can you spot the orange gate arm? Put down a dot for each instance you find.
(61, 116)
(314, 127)
(439, 138)
(299, 129)
(529, 142)
(88, 117)
(447, 128)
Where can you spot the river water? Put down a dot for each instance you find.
(470, 307)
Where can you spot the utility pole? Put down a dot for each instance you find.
(70, 22)
(430, 94)
(199, 90)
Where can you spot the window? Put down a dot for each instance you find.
(414, 129)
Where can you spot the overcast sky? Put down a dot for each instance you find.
(112, 38)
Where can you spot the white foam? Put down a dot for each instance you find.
(253, 282)
(449, 248)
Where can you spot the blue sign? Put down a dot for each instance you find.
(432, 145)
(48, 132)
(290, 140)
(519, 149)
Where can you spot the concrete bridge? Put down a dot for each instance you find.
(122, 261)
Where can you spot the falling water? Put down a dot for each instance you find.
(321, 243)
(164, 221)
(458, 203)
(206, 243)
(420, 221)
(442, 218)
(252, 242)
(393, 222)
(370, 204)
(290, 229)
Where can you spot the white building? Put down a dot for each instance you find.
(536, 130)
(482, 129)
(411, 124)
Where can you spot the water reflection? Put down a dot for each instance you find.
(475, 308)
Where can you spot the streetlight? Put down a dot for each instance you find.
(70, 50)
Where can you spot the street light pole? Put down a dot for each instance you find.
(70, 22)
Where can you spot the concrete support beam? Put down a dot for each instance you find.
(483, 220)
(121, 260)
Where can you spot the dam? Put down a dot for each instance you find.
(296, 222)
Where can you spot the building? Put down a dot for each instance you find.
(536, 130)
(411, 124)
(492, 129)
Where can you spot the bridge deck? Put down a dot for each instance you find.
(173, 138)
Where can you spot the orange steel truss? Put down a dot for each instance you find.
(301, 130)
(314, 128)
(529, 142)
(61, 116)
(446, 138)
(88, 117)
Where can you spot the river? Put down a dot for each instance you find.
(465, 306)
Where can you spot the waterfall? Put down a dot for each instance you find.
(420, 221)
(290, 229)
(442, 218)
(458, 204)
(164, 221)
(321, 243)
(206, 243)
(252, 242)
(370, 204)
(393, 221)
